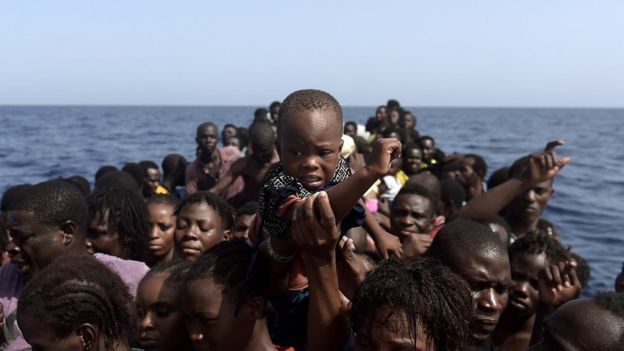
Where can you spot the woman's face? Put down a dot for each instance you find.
(198, 228)
(161, 321)
(215, 321)
(162, 227)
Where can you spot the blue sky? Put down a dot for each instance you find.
(423, 53)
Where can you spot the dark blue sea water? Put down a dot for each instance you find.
(38, 143)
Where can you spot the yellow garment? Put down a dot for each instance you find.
(401, 177)
(162, 190)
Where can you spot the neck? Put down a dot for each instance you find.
(260, 339)
(207, 157)
(513, 333)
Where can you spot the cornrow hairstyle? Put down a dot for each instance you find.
(12, 193)
(425, 292)
(308, 100)
(127, 214)
(74, 290)
(53, 202)
(167, 199)
(147, 164)
(235, 267)
(173, 164)
(222, 208)
(539, 242)
(175, 269)
(480, 166)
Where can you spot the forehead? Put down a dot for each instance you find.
(200, 210)
(305, 121)
(413, 152)
(202, 295)
(412, 202)
(207, 130)
(485, 266)
(528, 263)
(151, 288)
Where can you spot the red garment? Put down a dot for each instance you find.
(198, 178)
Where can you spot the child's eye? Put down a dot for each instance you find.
(326, 153)
(296, 152)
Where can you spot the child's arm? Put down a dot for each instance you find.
(543, 166)
(344, 195)
(235, 170)
(316, 235)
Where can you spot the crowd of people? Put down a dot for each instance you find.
(300, 232)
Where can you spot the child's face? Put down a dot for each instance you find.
(161, 321)
(198, 228)
(309, 147)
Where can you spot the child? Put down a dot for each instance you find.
(202, 222)
(161, 320)
(309, 141)
(162, 226)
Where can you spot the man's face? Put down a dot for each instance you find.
(427, 149)
(408, 122)
(39, 243)
(151, 181)
(381, 114)
(350, 130)
(207, 139)
(489, 277)
(530, 205)
(465, 173)
(228, 131)
(411, 214)
(523, 295)
(412, 161)
(309, 147)
(262, 153)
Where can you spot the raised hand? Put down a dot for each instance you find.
(384, 151)
(558, 283)
(314, 228)
(388, 245)
(415, 245)
(545, 165)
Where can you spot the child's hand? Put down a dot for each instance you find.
(314, 228)
(545, 165)
(384, 151)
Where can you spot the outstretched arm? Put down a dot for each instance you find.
(316, 235)
(543, 166)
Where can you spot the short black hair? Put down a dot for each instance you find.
(147, 164)
(426, 292)
(73, 290)
(429, 182)
(612, 302)
(480, 166)
(463, 236)
(274, 104)
(538, 242)
(260, 114)
(135, 170)
(222, 208)
(127, 214)
(393, 104)
(81, 183)
(53, 202)
(262, 133)
(231, 264)
(423, 138)
(117, 179)
(249, 209)
(12, 193)
(497, 178)
(452, 193)
(308, 100)
(104, 170)
(174, 164)
(206, 125)
(418, 189)
(166, 199)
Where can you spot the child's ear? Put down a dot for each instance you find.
(341, 143)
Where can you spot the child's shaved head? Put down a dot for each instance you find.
(308, 100)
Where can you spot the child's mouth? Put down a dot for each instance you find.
(311, 181)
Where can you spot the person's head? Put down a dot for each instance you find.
(161, 320)
(223, 297)
(452, 198)
(202, 221)
(393, 103)
(362, 145)
(407, 120)
(173, 166)
(619, 281)
(476, 254)
(529, 206)
(77, 303)
(135, 170)
(394, 116)
(411, 305)
(472, 169)
(206, 138)
(309, 137)
(350, 129)
(274, 108)
(499, 226)
(118, 224)
(412, 211)
(10, 194)
(429, 182)
(427, 145)
(161, 210)
(151, 178)
(46, 221)
(380, 113)
(233, 141)
(229, 130)
(498, 177)
(104, 170)
(586, 324)
(528, 256)
(118, 179)
(262, 139)
(412, 159)
(261, 114)
(244, 218)
(81, 183)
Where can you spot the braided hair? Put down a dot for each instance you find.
(127, 214)
(426, 292)
(74, 290)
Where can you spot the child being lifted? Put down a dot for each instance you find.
(309, 140)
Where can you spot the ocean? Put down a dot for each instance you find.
(43, 142)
